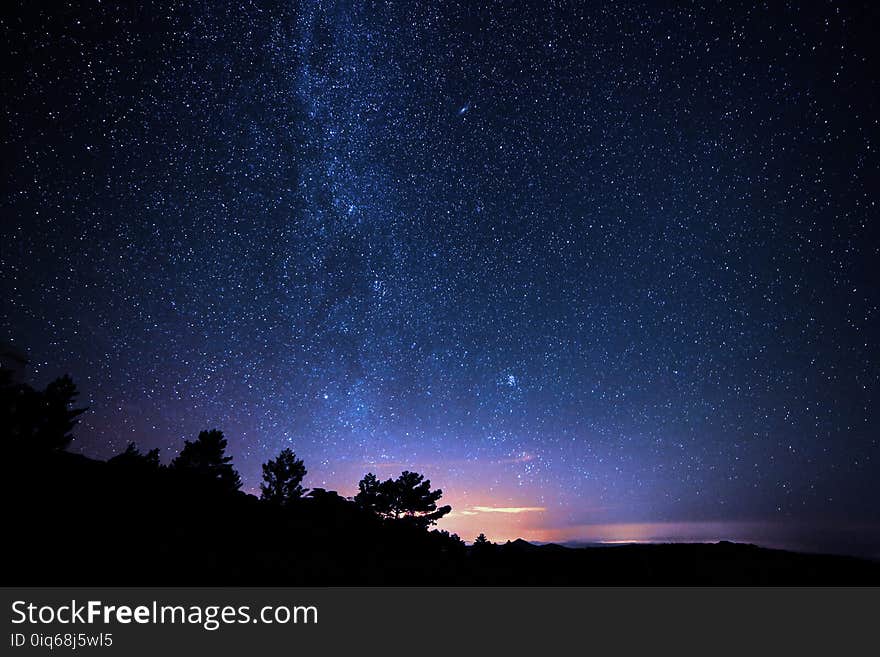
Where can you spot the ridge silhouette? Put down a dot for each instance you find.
(74, 520)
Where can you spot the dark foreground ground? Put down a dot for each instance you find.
(69, 520)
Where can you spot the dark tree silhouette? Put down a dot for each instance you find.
(408, 498)
(282, 478)
(374, 495)
(483, 547)
(133, 458)
(450, 542)
(205, 458)
(416, 502)
(38, 420)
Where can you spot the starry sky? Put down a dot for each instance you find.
(602, 272)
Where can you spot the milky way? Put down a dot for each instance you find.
(584, 267)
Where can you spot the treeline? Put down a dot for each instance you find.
(43, 420)
(132, 520)
(407, 499)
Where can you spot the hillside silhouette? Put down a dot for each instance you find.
(73, 520)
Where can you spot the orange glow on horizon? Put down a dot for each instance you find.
(509, 512)
(530, 526)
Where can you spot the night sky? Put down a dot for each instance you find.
(600, 272)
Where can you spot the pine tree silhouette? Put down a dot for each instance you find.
(38, 420)
(132, 457)
(205, 459)
(374, 496)
(282, 478)
(408, 498)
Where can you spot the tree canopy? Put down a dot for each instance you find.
(282, 478)
(408, 498)
(38, 419)
(206, 458)
(134, 458)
